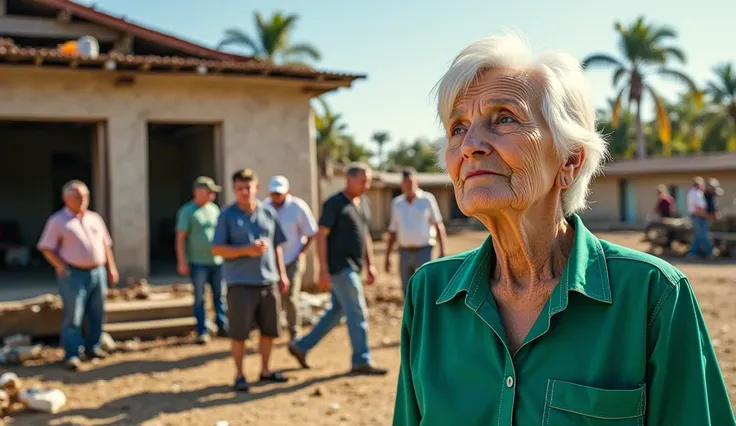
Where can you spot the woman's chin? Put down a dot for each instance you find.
(486, 203)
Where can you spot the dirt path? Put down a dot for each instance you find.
(176, 383)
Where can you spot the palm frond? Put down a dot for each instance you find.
(616, 108)
(664, 126)
(620, 72)
(302, 49)
(684, 79)
(601, 60)
(234, 36)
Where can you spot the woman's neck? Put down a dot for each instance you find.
(531, 248)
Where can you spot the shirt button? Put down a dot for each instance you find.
(509, 382)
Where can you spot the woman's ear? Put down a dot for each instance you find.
(570, 170)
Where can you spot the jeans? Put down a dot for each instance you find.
(83, 293)
(290, 301)
(410, 260)
(201, 275)
(701, 242)
(347, 299)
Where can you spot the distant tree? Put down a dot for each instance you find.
(357, 151)
(645, 53)
(420, 155)
(722, 118)
(380, 138)
(271, 42)
(618, 131)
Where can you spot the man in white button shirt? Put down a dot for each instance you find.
(300, 228)
(416, 223)
(696, 208)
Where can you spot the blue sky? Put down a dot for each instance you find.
(405, 45)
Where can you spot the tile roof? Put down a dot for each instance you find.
(9, 52)
(679, 164)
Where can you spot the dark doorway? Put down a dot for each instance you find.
(177, 154)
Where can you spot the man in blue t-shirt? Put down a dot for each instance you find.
(248, 236)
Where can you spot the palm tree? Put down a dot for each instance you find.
(272, 41)
(645, 54)
(687, 125)
(380, 138)
(618, 130)
(723, 92)
(332, 142)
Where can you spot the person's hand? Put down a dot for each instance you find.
(324, 280)
(371, 278)
(388, 264)
(113, 276)
(60, 270)
(182, 268)
(257, 248)
(284, 285)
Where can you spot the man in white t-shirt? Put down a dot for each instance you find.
(416, 224)
(696, 208)
(300, 228)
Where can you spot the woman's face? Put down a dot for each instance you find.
(500, 154)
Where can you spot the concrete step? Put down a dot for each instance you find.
(146, 310)
(151, 329)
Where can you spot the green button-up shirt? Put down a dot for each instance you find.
(621, 341)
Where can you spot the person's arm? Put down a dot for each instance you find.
(48, 244)
(307, 227)
(393, 226)
(684, 382)
(113, 275)
(406, 407)
(279, 237)
(221, 244)
(180, 243)
(437, 220)
(326, 223)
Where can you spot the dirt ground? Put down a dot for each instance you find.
(174, 382)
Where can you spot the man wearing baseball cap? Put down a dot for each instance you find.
(300, 228)
(195, 229)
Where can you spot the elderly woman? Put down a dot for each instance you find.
(544, 324)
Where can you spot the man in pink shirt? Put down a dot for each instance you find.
(75, 241)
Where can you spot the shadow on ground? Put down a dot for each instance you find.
(139, 408)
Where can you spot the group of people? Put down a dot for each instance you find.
(252, 256)
(702, 208)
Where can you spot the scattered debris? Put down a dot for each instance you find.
(46, 400)
(222, 423)
(301, 401)
(312, 305)
(334, 406)
(318, 391)
(4, 403)
(18, 349)
(133, 345)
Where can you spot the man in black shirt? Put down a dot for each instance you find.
(343, 243)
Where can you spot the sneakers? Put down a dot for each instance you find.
(203, 339)
(96, 353)
(300, 356)
(73, 363)
(369, 370)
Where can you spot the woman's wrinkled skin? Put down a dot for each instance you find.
(496, 128)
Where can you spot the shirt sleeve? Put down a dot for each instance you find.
(393, 224)
(406, 408)
(106, 238)
(329, 214)
(279, 237)
(685, 384)
(50, 236)
(182, 219)
(436, 214)
(307, 224)
(222, 232)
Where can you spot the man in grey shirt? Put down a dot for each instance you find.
(248, 236)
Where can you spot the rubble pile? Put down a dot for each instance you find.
(14, 397)
(17, 349)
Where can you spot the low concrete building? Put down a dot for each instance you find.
(627, 191)
(138, 122)
(386, 186)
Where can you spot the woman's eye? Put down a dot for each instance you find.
(506, 120)
(457, 130)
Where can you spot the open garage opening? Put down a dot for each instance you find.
(36, 160)
(177, 155)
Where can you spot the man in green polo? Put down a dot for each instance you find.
(195, 228)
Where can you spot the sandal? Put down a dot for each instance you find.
(275, 378)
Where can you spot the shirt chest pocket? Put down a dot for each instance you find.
(570, 404)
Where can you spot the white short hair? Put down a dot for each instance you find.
(566, 103)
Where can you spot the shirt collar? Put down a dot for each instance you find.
(586, 272)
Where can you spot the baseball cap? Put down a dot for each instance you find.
(279, 185)
(207, 182)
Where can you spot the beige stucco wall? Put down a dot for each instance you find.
(605, 198)
(264, 125)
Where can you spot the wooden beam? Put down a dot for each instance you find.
(124, 44)
(99, 171)
(3, 8)
(64, 16)
(22, 26)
